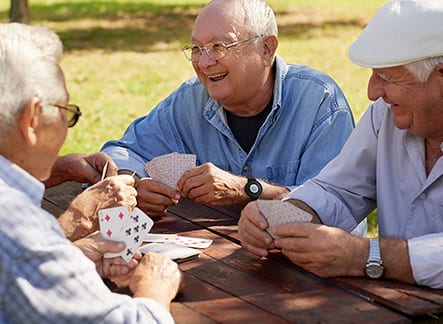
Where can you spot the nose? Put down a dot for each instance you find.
(376, 86)
(205, 60)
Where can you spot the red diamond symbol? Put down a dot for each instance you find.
(109, 233)
(107, 217)
(121, 215)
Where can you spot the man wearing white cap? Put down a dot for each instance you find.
(392, 162)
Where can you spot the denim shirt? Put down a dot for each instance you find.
(309, 122)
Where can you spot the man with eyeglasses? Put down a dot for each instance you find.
(44, 277)
(258, 126)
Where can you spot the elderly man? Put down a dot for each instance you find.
(392, 161)
(44, 277)
(257, 125)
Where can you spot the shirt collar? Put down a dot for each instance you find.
(16, 177)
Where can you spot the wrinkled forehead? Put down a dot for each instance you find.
(220, 19)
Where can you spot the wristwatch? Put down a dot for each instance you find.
(374, 266)
(253, 189)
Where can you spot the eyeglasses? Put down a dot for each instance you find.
(215, 51)
(73, 113)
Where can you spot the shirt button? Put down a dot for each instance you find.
(422, 196)
(246, 169)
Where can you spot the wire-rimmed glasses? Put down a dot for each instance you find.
(215, 51)
(73, 113)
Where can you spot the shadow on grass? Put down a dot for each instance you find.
(142, 27)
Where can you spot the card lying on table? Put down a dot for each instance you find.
(187, 241)
(279, 212)
(173, 251)
(118, 224)
(169, 168)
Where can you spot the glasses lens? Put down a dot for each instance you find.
(216, 51)
(73, 113)
(192, 53)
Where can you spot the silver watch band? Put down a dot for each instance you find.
(374, 250)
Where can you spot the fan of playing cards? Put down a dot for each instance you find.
(279, 212)
(169, 168)
(133, 228)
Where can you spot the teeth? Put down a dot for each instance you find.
(216, 75)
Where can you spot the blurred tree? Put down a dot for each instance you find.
(19, 11)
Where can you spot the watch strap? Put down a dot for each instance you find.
(374, 250)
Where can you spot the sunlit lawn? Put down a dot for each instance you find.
(122, 57)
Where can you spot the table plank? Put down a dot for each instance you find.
(408, 299)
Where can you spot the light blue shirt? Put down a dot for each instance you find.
(308, 125)
(44, 278)
(383, 166)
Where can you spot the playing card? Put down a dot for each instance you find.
(133, 231)
(160, 238)
(279, 212)
(169, 168)
(117, 224)
(193, 242)
(111, 220)
(173, 251)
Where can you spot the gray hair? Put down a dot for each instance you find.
(422, 69)
(29, 67)
(259, 16)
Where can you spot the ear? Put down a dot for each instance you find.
(270, 44)
(29, 119)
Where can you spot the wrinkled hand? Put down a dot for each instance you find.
(252, 231)
(207, 184)
(156, 277)
(95, 246)
(154, 197)
(80, 168)
(323, 250)
(81, 217)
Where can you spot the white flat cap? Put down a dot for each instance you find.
(401, 32)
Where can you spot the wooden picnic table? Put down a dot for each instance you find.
(228, 285)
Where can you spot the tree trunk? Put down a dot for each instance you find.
(19, 11)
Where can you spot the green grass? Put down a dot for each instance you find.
(123, 56)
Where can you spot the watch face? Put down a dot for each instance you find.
(374, 270)
(253, 189)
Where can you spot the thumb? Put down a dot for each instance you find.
(104, 246)
(111, 246)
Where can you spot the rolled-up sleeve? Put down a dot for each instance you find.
(426, 257)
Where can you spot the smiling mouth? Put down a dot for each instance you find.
(217, 77)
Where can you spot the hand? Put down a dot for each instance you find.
(207, 184)
(156, 277)
(323, 250)
(81, 168)
(81, 217)
(252, 231)
(95, 246)
(154, 197)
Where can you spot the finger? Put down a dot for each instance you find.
(253, 214)
(126, 179)
(291, 244)
(147, 185)
(294, 229)
(254, 249)
(192, 178)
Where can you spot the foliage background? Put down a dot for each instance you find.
(123, 56)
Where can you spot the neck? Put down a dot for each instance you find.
(433, 152)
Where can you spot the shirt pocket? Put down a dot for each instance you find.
(283, 174)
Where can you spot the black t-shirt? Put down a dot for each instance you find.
(245, 129)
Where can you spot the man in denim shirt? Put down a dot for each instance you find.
(250, 118)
